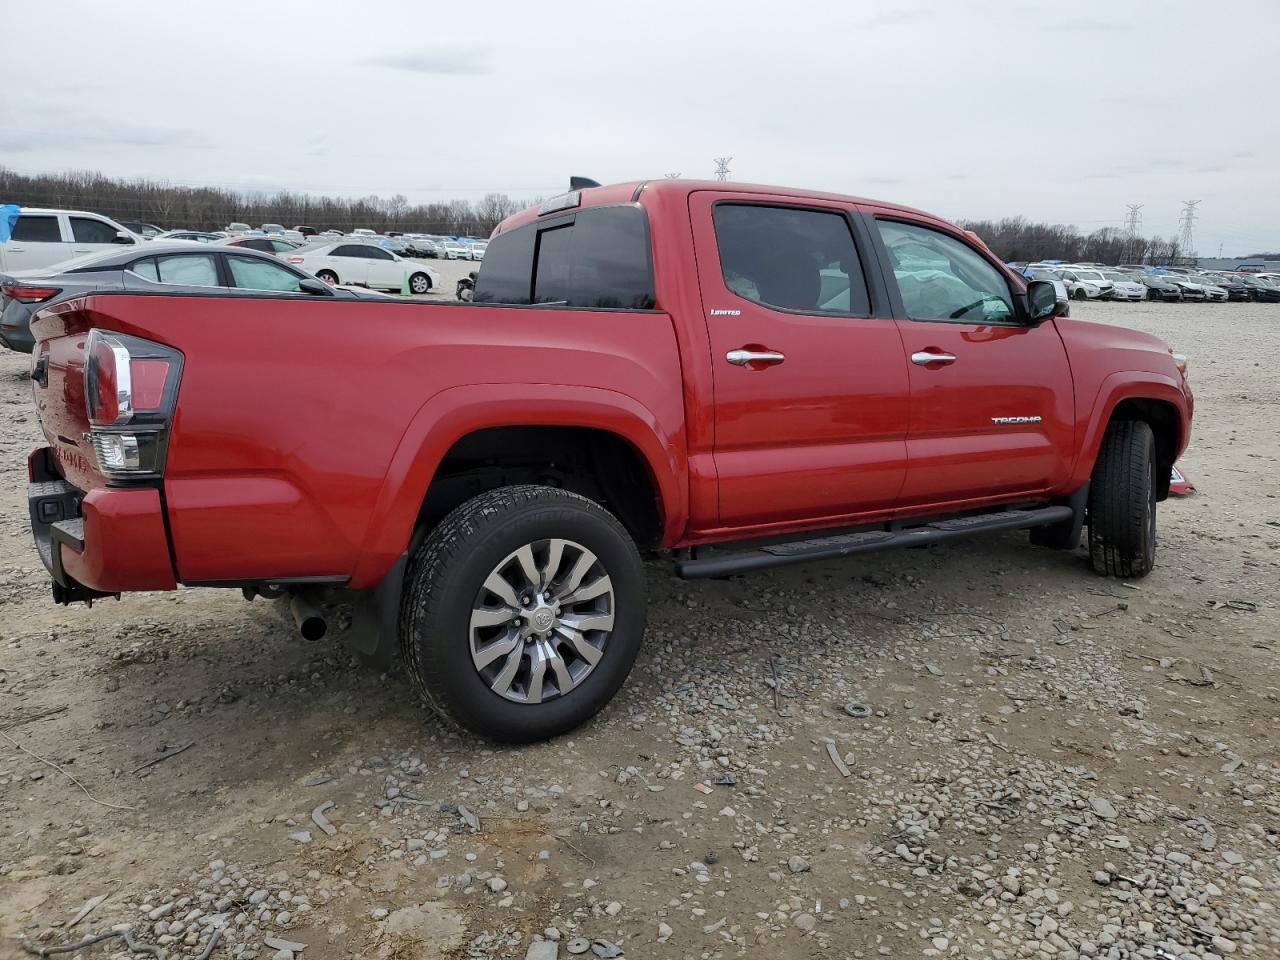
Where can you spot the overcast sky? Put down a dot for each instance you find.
(969, 108)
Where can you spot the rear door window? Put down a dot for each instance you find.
(250, 273)
(37, 229)
(196, 270)
(86, 230)
(791, 258)
(598, 258)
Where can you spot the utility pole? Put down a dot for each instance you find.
(722, 167)
(1131, 223)
(1187, 222)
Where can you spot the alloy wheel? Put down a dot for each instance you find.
(542, 621)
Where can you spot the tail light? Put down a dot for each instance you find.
(29, 293)
(296, 260)
(131, 391)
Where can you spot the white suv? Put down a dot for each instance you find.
(43, 237)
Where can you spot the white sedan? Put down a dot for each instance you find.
(367, 264)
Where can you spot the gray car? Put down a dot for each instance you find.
(172, 267)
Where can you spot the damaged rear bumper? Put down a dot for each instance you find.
(96, 544)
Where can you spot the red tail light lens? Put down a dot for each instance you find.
(295, 260)
(26, 293)
(131, 391)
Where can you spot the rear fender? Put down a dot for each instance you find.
(451, 414)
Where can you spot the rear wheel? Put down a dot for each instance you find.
(1122, 502)
(328, 276)
(523, 613)
(420, 283)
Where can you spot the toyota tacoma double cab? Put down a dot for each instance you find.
(738, 376)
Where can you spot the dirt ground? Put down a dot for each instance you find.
(1053, 764)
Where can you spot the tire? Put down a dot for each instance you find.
(328, 276)
(1122, 502)
(1080, 294)
(419, 284)
(448, 579)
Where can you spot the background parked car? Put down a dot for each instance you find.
(307, 231)
(44, 236)
(265, 244)
(1190, 289)
(1124, 287)
(145, 230)
(159, 265)
(364, 263)
(1262, 290)
(1161, 288)
(1086, 284)
(238, 228)
(453, 250)
(272, 228)
(198, 236)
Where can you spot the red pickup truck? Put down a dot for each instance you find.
(740, 376)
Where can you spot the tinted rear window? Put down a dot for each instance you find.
(37, 229)
(598, 257)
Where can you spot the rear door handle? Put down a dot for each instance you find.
(923, 358)
(741, 358)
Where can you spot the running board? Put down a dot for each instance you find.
(840, 545)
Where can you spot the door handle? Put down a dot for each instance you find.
(923, 358)
(741, 358)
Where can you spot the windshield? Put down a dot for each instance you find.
(1092, 275)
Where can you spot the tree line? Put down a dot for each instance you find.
(212, 208)
(1018, 239)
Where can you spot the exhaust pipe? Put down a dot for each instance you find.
(309, 618)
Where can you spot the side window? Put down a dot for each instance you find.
(250, 273)
(350, 250)
(192, 271)
(791, 258)
(92, 231)
(280, 246)
(941, 278)
(377, 253)
(259, 243)
(147, 270)
(37, 229)
(597, 258)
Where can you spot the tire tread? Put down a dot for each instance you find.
(1117, 499)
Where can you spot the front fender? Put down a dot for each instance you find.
(453, 413)
(1129, 385)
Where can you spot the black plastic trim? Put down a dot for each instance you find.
(331, 580)
(863, 541)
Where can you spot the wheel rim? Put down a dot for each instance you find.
(327, 277)
(420, 285)
(542, 621)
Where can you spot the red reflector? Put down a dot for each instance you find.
(295, 259)
(104, 403)
(148, 383)
(29, 294)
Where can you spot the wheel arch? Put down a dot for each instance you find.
(465, 425)
(1159, 402)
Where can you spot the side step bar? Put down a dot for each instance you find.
(840, 545)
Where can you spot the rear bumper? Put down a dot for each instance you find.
(104, 542)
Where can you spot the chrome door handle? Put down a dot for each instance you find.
(742, 357)
(925, 357)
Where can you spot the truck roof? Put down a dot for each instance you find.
(637, 189)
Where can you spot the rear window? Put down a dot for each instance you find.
(598, 257)
(37, 229)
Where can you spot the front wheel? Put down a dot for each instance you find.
(328, 276)
(420, 283)
(1122, 502)
(523, 613)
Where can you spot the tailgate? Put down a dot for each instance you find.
(57, 385)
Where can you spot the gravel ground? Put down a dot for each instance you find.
(1041, 763)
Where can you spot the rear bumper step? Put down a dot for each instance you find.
(840, 545)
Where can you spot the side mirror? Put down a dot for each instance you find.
(1043, 302)
(122, 236)
(317, 287)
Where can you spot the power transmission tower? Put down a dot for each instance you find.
(1187, 223)
(673, 176)
(1131, 223)
(722, 167)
